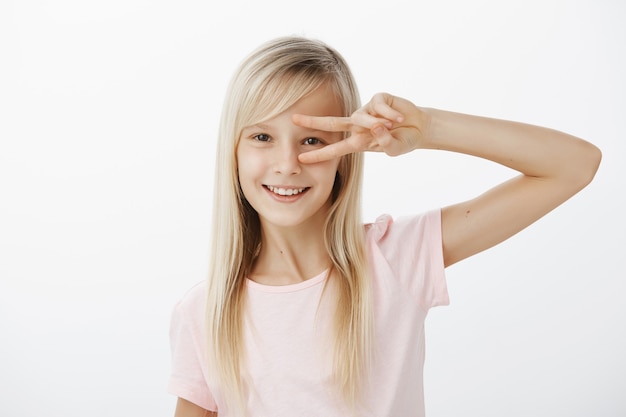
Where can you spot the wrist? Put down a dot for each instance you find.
(425, 121)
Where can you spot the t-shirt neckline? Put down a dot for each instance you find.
(317, 279)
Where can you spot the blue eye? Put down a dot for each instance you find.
(261, 137)
(312, 141)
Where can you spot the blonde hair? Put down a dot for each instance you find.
(269, 81)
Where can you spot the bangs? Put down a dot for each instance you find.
(279, 74)
(277, 94)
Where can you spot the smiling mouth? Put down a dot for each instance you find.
(286, 191)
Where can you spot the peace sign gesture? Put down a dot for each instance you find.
(385, 124)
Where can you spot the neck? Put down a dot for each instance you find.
(290, 255)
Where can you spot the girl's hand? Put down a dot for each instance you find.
(386, 124)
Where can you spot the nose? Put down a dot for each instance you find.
(286, 160)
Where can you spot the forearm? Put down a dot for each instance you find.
(534, 151)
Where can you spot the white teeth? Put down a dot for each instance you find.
(283, 191)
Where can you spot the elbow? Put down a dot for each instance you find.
(586, 166)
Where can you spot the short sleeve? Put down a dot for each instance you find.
(188, 368)
(412, 248)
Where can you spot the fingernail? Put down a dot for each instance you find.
(378, 130)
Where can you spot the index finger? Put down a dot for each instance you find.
(325, 123)
(335, 150)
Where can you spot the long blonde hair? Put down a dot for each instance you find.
(269, 81)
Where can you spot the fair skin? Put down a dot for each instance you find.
(291, 198)
(553, 166)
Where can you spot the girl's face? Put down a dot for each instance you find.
(283, 191)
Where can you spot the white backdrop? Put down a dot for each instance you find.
(108, 114)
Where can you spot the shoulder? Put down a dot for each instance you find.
(192, 304)
(408, 244)
(385, 228)
(195, 294)
(408, 251)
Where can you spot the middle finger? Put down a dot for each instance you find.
(325, 123)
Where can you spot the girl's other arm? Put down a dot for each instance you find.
(185, 408)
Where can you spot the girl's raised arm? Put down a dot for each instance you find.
(553, 165)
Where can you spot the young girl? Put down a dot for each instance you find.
(308, 312)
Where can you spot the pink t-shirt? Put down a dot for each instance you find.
(288, 351)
